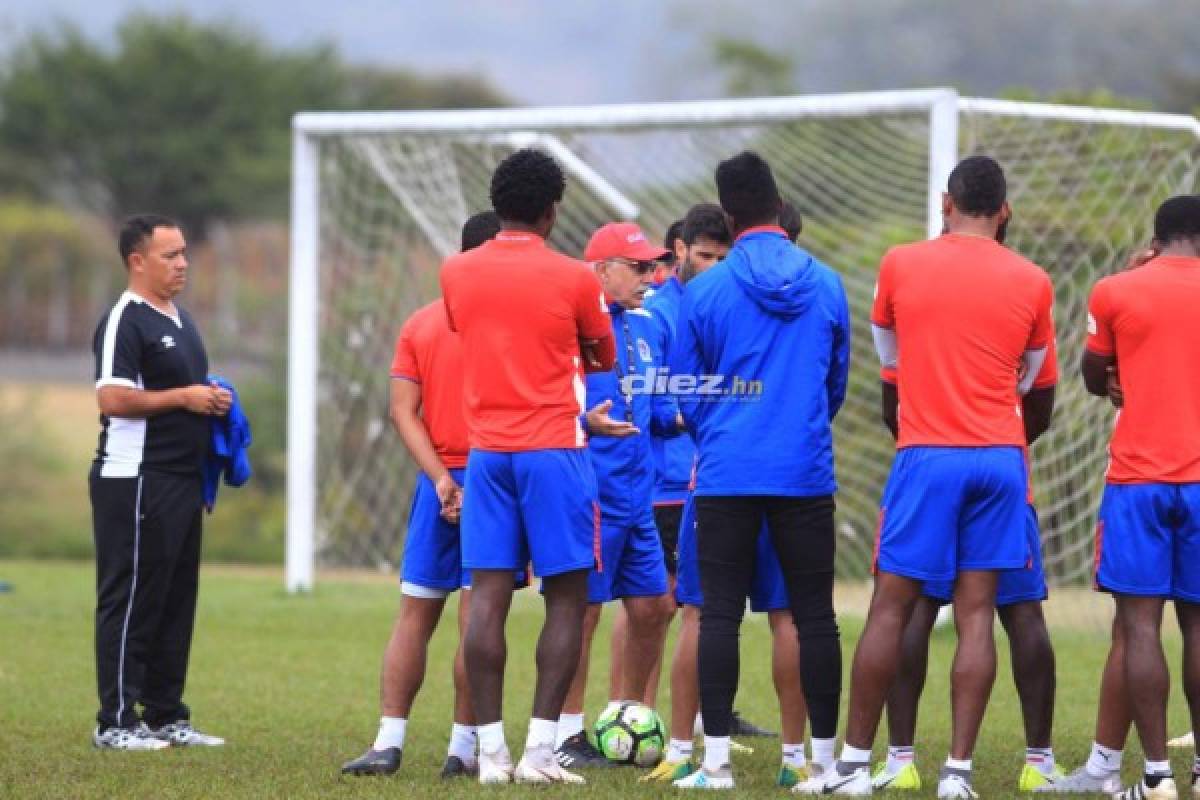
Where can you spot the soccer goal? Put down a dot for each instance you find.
(378, 200)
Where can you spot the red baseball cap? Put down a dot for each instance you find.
(621, 240)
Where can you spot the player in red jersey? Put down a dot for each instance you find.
(1143, 327)
(426, 408)
(970, 321)
(531, 321)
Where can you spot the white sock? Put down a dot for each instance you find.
(963, 764)
(822, 752)
(716, 752)
(698, 728)
(850, 755)
(1103, 761)
(1040, 758)
(541, 733)
(899, 756)
(463, 740)
(568, 726)
(793, 755)
(391, 733)
(491, 738)
(679, 750)
(1158, 767)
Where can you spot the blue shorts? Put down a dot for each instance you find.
(1024, 585)
(768, 592)
(534, 505)
(1148, 540)
(432, 556)
(631, 559)
(949, 509)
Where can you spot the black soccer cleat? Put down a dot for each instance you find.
(455, 767)
(740, 726)
(578, 753)
(375, 762)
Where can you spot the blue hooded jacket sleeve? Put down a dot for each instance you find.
(839, 367)
(687, 358)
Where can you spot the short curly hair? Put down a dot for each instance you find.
(1178, 218)
(525, 185)
(977, 186)
(747, 191)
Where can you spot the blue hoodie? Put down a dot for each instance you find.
(625, 466)
(675, 455)
(768, 331)
(229, 436)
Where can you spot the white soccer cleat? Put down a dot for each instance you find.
(540, 765)
(1081, 781)
(1187, 740)
(856, 784)
(955, 786)
(126, 739)
(495, 767)
(1140, 791)
(703, 779)
(182, 734)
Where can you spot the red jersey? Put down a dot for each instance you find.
(1149, 320)
(521, 310)
(964, 309)
(429, 353)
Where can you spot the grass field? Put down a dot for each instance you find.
(292, 683)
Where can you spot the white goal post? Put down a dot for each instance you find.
(377, 200)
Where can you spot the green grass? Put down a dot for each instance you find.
(292, 683)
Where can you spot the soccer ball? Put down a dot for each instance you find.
(631, 733)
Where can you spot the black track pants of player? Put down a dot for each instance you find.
(147, 536)
(803, 534)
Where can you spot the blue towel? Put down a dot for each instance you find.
(229, 436)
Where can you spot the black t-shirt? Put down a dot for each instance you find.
(138, 346)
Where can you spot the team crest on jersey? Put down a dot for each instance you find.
(644, 350)
(168, 341)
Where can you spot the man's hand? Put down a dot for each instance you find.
(450, 494)
(206, 399)
(1115, 393)
(680, 424)
(601, 424)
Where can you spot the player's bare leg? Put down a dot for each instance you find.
(1147, 681)
(616, 655)
(649, 695)
(645, 635)
(571, 743)
(460, 756)
(400, 679)
(573, 703)
(899, 771)
(1033, 668)
(484, 653)
(685, 699)
(1102, 771)
(974, 670)
(793, 711)
(1189, 625)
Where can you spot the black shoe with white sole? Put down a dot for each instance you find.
(375, 762)
(578, 753)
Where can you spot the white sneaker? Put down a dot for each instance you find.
(540, 765)
(495, 767)
(955, 786)
(856, 784)
(182, 734)
(1187, 740)
(703, 779)
(1081, 781)
(1140, 791)
(126, 739)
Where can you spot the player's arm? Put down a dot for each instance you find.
(593, 323)
(666, 420)
(1100, 355)
(133, 403)
(887, 349)
(405, 408)
(1037, 409)
(687, 359)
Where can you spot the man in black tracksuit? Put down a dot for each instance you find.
(145, 488)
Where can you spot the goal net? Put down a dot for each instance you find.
(379, 198)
